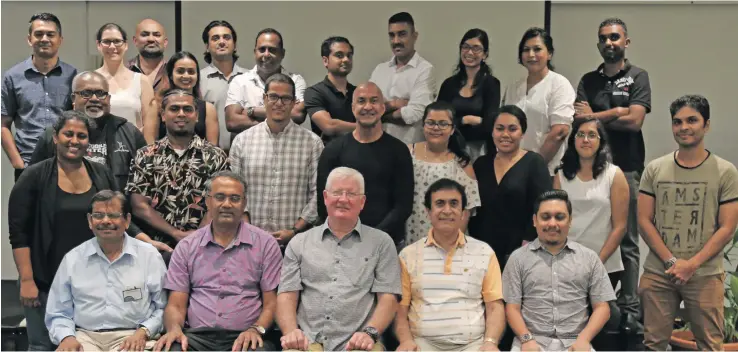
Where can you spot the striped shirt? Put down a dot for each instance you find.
(446, 291)
(280, 171)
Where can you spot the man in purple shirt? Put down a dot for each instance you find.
(223, 279)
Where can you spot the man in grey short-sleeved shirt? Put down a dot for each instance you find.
(340, 281)
(550, 283)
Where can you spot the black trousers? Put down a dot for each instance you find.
(18, 173)
(213, 339)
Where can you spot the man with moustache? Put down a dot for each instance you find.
(619, 94)
(108, 293)
(113, 140)
(382, 159)
(406, 81)
(222, 279)
(328, 103)
(551, 283)
(687, 211)
(220, 39)
(35, 92)
(278, 160)
(245, 99)
(167, 178)
(151, 41)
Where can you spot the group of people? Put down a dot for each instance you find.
(159, 205)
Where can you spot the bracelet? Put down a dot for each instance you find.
(492, 340)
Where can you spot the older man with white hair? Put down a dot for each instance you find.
(340, 281)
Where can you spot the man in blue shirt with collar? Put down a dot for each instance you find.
(35, 91)
(108, 293)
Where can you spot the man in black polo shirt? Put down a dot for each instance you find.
(619, 95)
(329, 102)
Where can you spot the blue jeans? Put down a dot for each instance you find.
(628, 300)
(38, 335)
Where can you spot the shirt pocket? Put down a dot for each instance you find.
(472, 274)
(361, 272)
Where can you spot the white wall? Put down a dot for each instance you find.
(80, 21)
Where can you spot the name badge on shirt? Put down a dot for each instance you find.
(133, 294)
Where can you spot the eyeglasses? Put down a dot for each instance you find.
(612, 36)
(590, 136)
(111, 216)
(87, 93)
(349, 195)
(234, 198)
(475, 49)
(286, 99)
(440, 124)
(113, 42)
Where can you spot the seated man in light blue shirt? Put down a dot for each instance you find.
(108, 292)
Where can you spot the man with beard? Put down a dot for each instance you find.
(151, 41)
(328, 103)
(406, 81)
(384, 161)
(35, 91)
(619, 94)
(113, 140)
(167, 178)
(108, 294)
(245, 99)
(220, 39)
(551, 282)
(687, 210)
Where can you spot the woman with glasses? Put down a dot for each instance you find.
(183, 72)
(131, 93)
(509, 183)
(473, 91)
(598, 192)
(48, 213)
(442, 155)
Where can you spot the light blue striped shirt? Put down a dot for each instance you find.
(92, 293)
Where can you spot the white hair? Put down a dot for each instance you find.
(341, 173)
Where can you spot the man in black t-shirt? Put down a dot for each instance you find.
(619, 95)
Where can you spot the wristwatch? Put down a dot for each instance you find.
(250, 111)
(260, 329)
(146, 330)
(372, 332)
(525, 338)
(669, 263)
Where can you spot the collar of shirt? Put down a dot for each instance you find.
(412, 63)
(211, 71)
(134, 65)
(325, 230)
(29, 65)
(327, 82)
(285, 131)
(195, 143)
(94, 248)
(257, 79)
(243, 236)
(430, 241)
(623, 71)
(536, 245)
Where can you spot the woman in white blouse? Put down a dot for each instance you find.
(546, 97)
(131, 93)
(598, 192)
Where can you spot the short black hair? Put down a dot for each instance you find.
(280, 78)
(554, 194)
(206, 37)
(403, 17)
(614, 21)
(325, 48)
(694, 101)
(545, 37)
(445, 184)
(71, 115)
(176, 91)
(46, 17)
(512, 110)
(270, 31)
(111, 25)
(106, 196)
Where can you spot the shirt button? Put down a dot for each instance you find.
(221, 296)
(220, 314)
(334, 279)
(336, 261)
(327, 318)
(47, 93)
(331, 297)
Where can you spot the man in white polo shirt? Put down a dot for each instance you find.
(406, 81)
(245, 99)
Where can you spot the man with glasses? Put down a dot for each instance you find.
(108, 294)
(619, 94)
(245, 100)
(279, 163)
(151, 41)
(222, 279)
(35, 91)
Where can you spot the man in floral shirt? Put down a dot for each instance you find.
(167, 178)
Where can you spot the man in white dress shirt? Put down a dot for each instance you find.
(406, 82)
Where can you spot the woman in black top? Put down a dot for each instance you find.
(473, 91)
(47, 214)
(183, 72)
(509, 183)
